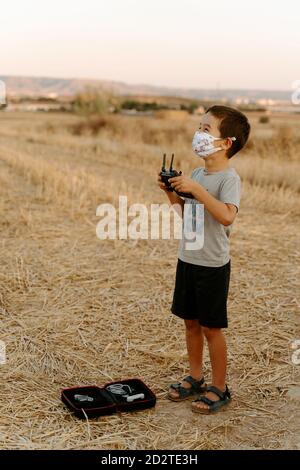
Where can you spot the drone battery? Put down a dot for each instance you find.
(92, 401)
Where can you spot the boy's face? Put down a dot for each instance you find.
(209, 124)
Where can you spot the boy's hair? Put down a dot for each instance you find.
(233, 123)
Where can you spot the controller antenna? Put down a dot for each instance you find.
(164, 162)
(171, 164)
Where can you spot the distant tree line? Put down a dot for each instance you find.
(99, 101)
(154, 106)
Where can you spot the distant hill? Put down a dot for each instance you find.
(43, 86)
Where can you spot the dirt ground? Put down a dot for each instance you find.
(77, 310)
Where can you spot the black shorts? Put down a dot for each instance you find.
(201, 293)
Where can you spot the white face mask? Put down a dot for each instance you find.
(203, 144)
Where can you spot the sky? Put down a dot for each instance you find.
(177, 43)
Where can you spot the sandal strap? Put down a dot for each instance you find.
(193, 382)
(218, 392)
(175, 386)
(205, 400)
(194, 388)
(182, 391)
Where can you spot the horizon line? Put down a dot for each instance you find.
(219, 88)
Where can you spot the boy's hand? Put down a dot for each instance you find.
(160, 183)
(183, 184)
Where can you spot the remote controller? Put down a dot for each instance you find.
(171, 173)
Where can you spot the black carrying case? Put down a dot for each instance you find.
(104, 401)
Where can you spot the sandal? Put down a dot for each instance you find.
(197, 386)
(213, 405)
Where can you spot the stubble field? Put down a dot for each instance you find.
(77, 310)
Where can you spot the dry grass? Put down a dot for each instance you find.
(77, 310)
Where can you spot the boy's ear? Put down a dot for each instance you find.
(227, 143)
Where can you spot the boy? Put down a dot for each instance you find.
(202, 275)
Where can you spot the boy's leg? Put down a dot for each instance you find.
(218, 358)
(194, 343)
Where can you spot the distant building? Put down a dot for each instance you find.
(241, 100)
(36, 107)
(53, 96)
(266, 102)
(135, 112)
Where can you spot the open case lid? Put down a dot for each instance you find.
(99, 401)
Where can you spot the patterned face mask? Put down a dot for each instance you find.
(203, 144)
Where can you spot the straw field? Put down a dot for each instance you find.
(77, 310)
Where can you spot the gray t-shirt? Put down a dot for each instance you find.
(224, 185)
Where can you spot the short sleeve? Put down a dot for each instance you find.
(196, 173)
(230, 191)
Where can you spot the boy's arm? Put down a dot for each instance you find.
(223, 212)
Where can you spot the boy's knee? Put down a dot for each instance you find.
(210, 333)
(192, 325)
